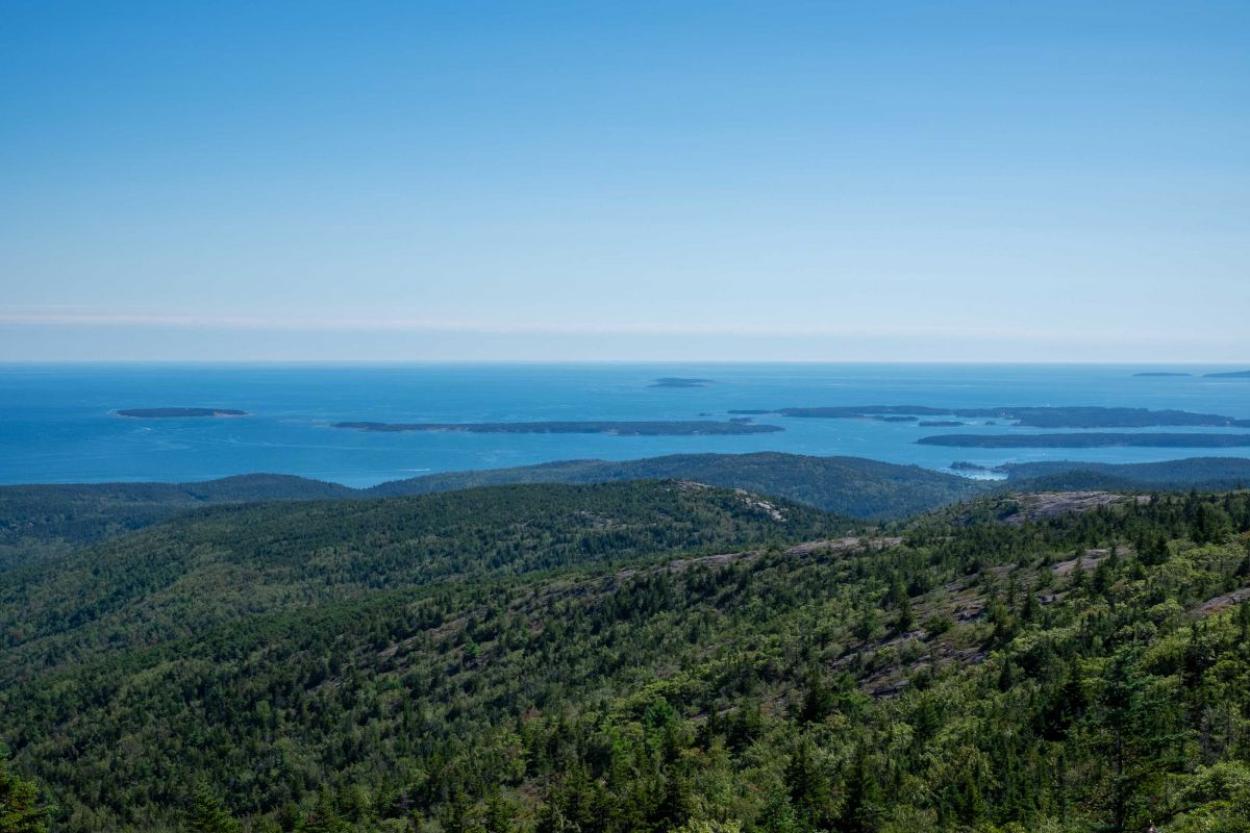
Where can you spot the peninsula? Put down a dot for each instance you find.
(632, 429)
(179, 413)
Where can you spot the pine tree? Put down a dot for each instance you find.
(208, 814)
(20, 809)
(325, 817)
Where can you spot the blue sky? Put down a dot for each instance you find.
(810, 181)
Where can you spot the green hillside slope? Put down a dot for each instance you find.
(645, 656)
(38, 522)
(43, 521)
(849, 486)
(1203, 473)
(210, 566)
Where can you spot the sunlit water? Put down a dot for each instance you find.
(57, 422)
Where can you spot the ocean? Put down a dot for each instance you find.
(58, 422)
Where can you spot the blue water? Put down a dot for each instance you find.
(57, 425)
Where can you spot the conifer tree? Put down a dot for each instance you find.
(20, 808)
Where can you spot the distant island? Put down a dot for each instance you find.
(940, 423)
(889, 418)
(1162, 373)
(1233, 374)
(633, 429)
(1101, 440)
(679, 382)
(179, 413)
(1071, 416)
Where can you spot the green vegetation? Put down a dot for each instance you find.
(656, 656)
(1209, 474)
(20, 808)
(849, 486)
(39, 522)
(46, 521)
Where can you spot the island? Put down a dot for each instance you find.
(940, 423)
(1161, 373)
(863, 411)
(679, 382)
(630, 429)
(890, 418)
(1089, 440)
(1233, 374)
(1033, 416)
(179, 413)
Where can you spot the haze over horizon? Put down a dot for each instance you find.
(689, 182)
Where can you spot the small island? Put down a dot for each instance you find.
(1090, 440)
(940, 423)
(679, 382)
(179, 413)
(1233, 374)
(1157, 373)
(628, 429)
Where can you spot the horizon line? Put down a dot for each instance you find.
(627, 361)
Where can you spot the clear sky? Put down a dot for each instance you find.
(994, 181)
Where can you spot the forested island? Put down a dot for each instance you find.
(179, 413)
(963, 465)
(629, 429)
(1072, 416)
(1092, 440)
(1234, 374)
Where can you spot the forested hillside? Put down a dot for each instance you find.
(44, 521)
(1202, 473)
(651, 656)
(208, 567)
(849, 486)
(47, 521)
